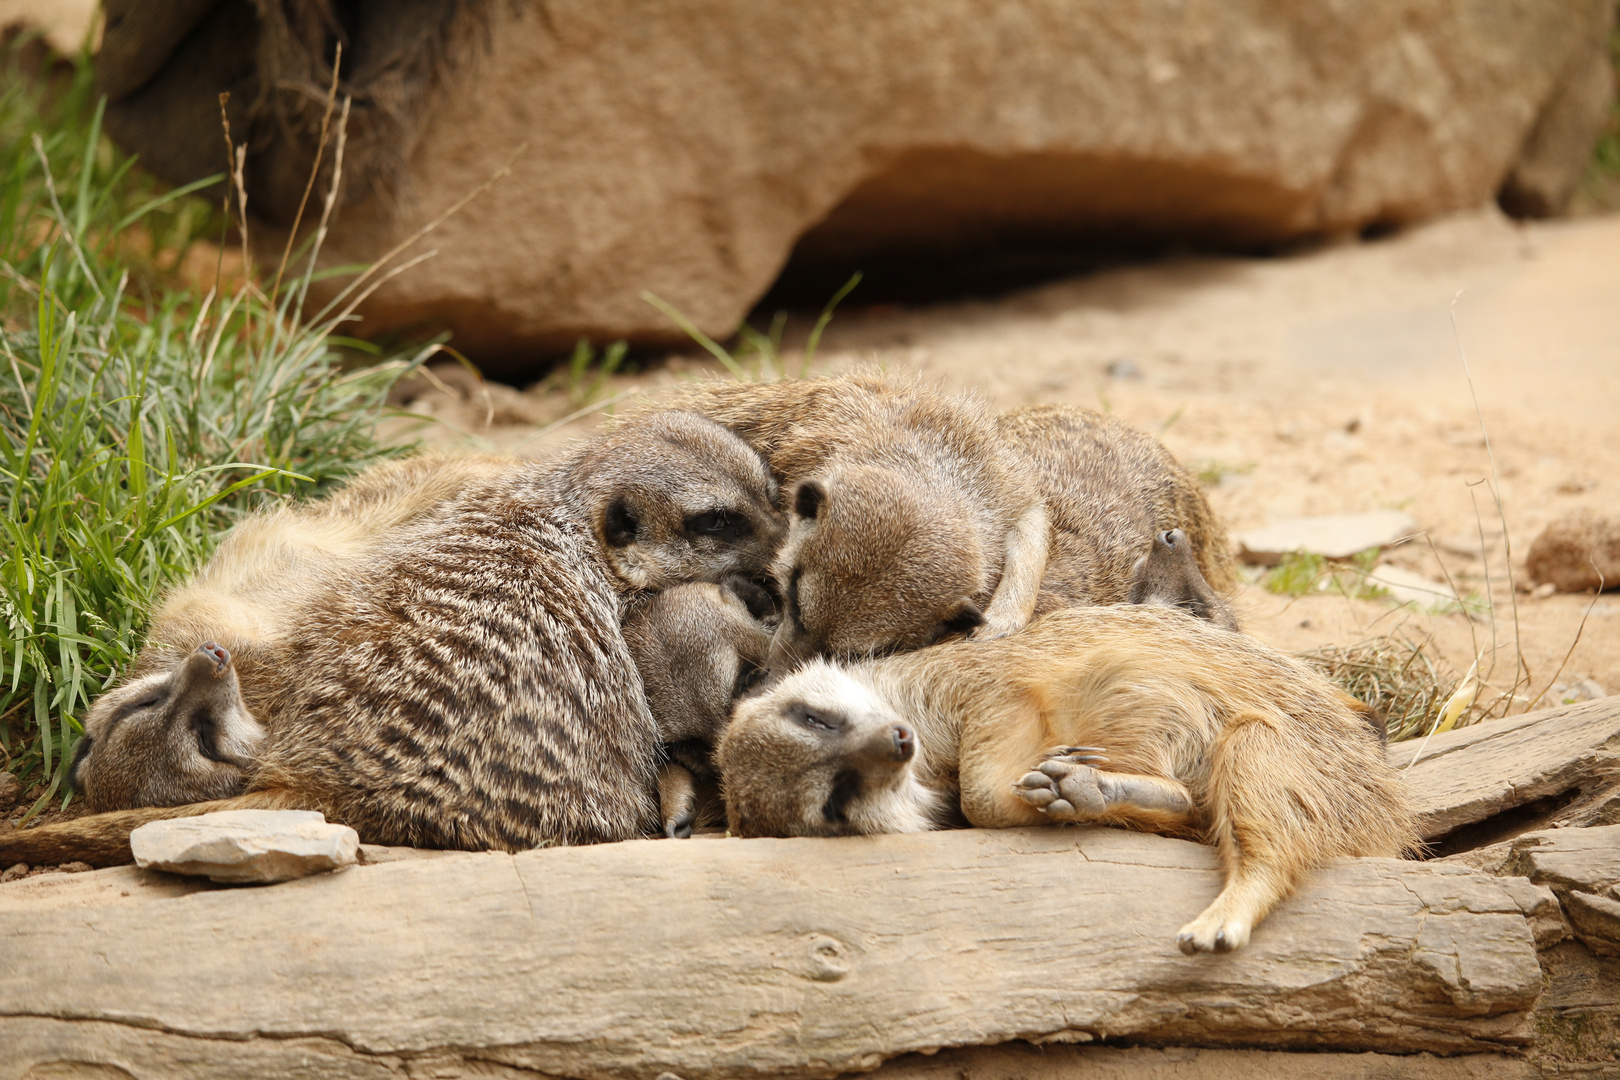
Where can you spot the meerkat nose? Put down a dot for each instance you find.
(905, 742)
(219, 653)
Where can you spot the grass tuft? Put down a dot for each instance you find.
(1301, 572)
(139, 416)
(1396, 674)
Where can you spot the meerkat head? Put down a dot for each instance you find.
(699, 647)
(821, 753)
(876, 561)
(169, 738)
(674, 497)
(1168, 576)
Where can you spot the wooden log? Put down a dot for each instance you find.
(732, 958)
(1469, 775)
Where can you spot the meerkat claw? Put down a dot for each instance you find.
(1078, 755)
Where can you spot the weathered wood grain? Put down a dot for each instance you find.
(732, 958)
(1475, 773)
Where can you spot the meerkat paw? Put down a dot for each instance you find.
(1213, 931)
(679, 826)
(997, 626)
(677, 800)
(1063, 790)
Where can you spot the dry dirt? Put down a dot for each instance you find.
(1322, 382)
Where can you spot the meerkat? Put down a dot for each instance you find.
(911, 518)
(468, 688)
(697, 647)
(1134, 716)
(1169, 576)
(186, 723)
(1107, 487)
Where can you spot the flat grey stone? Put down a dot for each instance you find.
(246, 845)
(1470, 774)
(1335, 536)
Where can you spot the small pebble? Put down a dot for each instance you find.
(10, 791)
(15, 872)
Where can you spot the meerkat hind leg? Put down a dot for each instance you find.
(1067, 787)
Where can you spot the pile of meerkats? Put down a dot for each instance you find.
(849, 605)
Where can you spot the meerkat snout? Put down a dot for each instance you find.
(1168, 576)
(176, 736)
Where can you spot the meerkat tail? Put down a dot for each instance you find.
(1264, 834)
(1023, 567)
(103, 839)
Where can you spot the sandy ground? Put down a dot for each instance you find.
(1324, 382)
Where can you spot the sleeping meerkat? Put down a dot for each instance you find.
(697, 647)
(910, 516)
(1134, 716)
(1107, 486)
(467, 688)
(669, 497)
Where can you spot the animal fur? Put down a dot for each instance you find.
(1135, 716)
(911, 518)
(697, 647)
(1109, 488)
(291, 591)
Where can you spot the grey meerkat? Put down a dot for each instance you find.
(1168, 576)
(468, 688)
(190, 721)
(1109, 486)
(911, 518)
(1136, 716)
(698, 647)
(184, 723)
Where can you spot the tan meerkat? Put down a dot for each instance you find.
(911, 518)
(669, 497)
(469, 689)
(1134, 716)
(697, 647)
(1107, 486)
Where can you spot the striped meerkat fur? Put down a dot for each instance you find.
(485, 597)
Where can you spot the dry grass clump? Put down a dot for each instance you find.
(1396, 673)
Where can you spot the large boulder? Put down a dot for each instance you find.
(688, 148)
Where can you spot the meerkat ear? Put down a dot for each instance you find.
(619, 524)
(807, 501)
(755, 597)
(967, 619)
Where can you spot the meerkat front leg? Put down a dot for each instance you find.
(1022, 567)
(677, 799)
(1066, 787)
